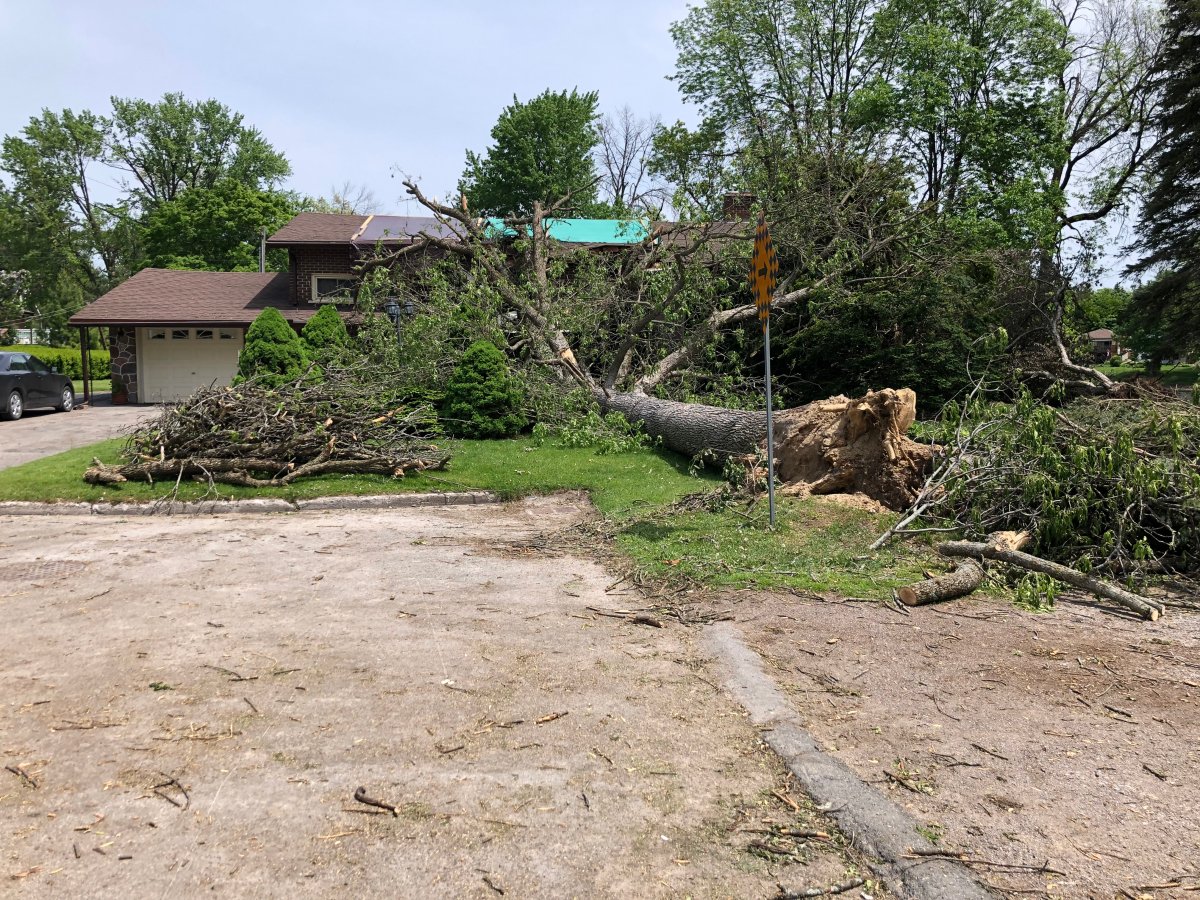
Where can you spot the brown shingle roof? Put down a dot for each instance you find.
(318, 228)
(177, 297)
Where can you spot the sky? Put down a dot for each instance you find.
(349, 91)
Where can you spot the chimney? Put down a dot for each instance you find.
(738, 206)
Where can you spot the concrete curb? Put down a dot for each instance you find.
(874, 825)
(266, 505)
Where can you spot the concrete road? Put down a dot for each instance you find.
(44, 432)
(198, 699)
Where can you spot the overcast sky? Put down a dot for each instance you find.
(347, 90)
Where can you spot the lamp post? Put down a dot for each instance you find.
(391, 309)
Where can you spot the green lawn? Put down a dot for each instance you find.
(98, 386)
(1171, 376)
(818, 545)
(620, 483)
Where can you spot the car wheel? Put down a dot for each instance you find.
(13, 407)
(68, 399)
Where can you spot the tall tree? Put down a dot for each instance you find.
(174, 144)
(77, 234)
(542, 152)
(1168, 308)
(215, 228)
(52, 167)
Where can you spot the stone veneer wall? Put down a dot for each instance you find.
(122, 343)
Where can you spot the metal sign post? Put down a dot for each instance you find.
(764, 273)
(770, 424)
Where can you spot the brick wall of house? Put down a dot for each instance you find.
(305, 262)
(122, 344)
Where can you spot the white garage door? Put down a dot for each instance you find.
(174, 362)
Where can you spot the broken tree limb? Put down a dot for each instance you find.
(965, 578)
(999, 551)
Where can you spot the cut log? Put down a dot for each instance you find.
(840, 445)
(966, 577)
(1147, 609)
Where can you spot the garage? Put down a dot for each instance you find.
(175, 362)
(170, 332)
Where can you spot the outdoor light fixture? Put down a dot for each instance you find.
(391, 309)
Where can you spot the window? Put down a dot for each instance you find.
(179, 334)
(158, 334)
(36, 365)
(18, 363)
(226, 335)
(204, 334)
(332, 288)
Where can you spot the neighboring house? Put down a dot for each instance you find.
(1104, 345)
(173, 331)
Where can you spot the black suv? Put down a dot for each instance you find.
(28, 383)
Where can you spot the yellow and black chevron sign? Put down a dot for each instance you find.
(764, 270)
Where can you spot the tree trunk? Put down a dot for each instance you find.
(691, 428)
(834, 446)
(966, 577)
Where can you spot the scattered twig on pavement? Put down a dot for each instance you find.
(851, 884)
(361, 796)
(967, 860)
(23, 775)
(173, 782)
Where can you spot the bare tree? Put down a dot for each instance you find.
(348, 200)
(623, 154)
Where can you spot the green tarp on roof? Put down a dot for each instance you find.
(584, 231)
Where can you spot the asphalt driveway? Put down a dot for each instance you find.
(44, 432)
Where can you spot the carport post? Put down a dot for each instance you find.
(87, 369)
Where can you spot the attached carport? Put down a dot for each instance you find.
(172, 331)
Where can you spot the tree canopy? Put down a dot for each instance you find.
(87, 198)
(1166, 312)
(541, 152)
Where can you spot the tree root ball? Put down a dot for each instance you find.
(843, 445)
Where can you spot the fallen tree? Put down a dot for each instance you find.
(253, 435)
(657, 322)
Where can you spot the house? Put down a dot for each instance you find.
(173, 331)
(1104, 345)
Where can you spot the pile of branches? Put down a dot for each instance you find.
(252, 435)
(1101, 484)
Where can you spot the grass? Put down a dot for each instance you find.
(1182, 375)
(818, 545)
(99, 386)
(619, 483)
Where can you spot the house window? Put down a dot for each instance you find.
(332, 288)
(179, 334)
(158, 334)
(204, 334)
(225, 335)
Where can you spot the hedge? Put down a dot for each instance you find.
(67, 360)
